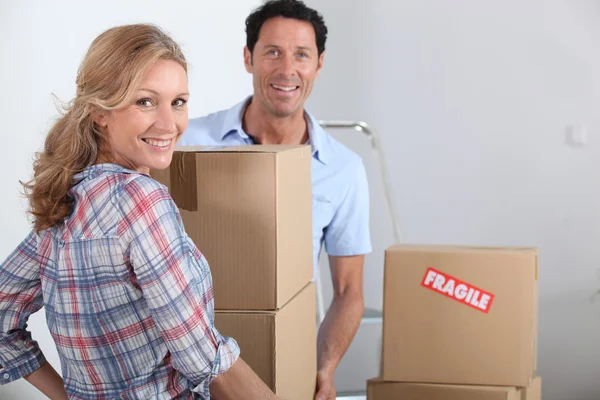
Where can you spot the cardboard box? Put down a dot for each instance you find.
(460, 315)
(249, 211)
(377, 389)
(280, 346)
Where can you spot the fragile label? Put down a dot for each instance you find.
(458, 290)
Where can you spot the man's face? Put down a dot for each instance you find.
(284, 64)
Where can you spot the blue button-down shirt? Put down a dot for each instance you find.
(339, 181)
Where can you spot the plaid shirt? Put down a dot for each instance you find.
(128, 296)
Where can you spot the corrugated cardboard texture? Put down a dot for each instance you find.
(380, 390)
(249, 211)
(255, 334)
(280, 346)
(430, 338)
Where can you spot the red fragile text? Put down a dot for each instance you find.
(457, 290)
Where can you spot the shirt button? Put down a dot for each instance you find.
(6, 376)
(61, 243)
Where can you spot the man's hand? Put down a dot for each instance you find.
(325, 386)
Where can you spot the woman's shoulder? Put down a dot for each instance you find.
(118, 180)
(143, 183)
(141, 188)
(144, 204)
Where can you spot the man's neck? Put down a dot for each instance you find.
(265, 129)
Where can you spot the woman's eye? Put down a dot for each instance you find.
(179, 102)
(144, 103)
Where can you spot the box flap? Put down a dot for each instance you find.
(533, 391)
(294, 222)
(378, 389)
(460, 248)
(183, 183)
(248, 312)
(162, 176)
(258, 148)
(296, 346)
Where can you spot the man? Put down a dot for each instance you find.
(284, 52)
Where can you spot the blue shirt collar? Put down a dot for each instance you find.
(232, 124)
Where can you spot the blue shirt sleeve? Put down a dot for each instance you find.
(348, 234)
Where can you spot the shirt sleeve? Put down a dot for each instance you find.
(176, 282)
(348, 233)
(20, 296)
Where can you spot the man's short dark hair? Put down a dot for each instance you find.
(295, 9)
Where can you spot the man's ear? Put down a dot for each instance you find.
(248, 59)
(320, 64)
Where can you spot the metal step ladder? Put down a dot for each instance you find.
(371, 316)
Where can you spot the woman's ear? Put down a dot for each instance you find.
(100, 118)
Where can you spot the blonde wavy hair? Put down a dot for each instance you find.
(107, 79)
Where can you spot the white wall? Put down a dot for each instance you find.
(472, 99)
(41, 46)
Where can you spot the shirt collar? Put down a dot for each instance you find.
(98, 169)
(232, 124)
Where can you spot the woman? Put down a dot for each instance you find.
(128, 297)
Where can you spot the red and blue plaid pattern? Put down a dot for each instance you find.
(128, 296)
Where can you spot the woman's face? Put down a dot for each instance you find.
(143, 135)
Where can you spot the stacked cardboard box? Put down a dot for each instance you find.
(381, 390)
(249, 211)
(459, 323)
